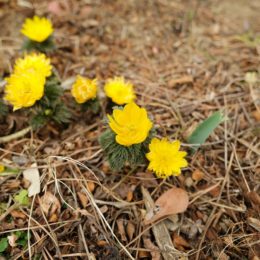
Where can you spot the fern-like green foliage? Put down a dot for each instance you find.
(38, 121)
(118, 155)
(52, 89)
(3, 109)
(51, 106)
(46, 46)
(61, 114)
(92, 105)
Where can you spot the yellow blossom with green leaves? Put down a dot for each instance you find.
(84, 89)
(34, 63)
(24, 89)
(37, 28)
(120, 91)
(131, 124)
(165, 159)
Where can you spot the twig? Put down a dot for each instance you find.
(21, 133)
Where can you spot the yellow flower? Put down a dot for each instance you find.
(131, 124)
(84, 89)
(24, 89)
(34, 63)
(165, 158)
(37, 29)
(2, 168)
(120, 91)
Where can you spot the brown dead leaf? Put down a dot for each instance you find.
(215, 192)
(143, 254)
(129, 196)
(256, 115)
(155, 252)
(197, 175)
(101, 243)
(212, 234)
(130, 230)
(18, 214)
(173, 201)
(254, 197)
(182, 80)
(121, 229)
(50, 204)
(83, 199)
(180, 242)
(53, 218)
(91, 186)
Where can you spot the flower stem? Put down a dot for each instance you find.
(21, 133)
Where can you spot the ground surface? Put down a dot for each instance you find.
(187, 59)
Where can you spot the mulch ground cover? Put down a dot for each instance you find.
(186, 59)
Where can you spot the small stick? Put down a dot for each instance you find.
(21, 133)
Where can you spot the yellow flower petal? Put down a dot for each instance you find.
(84, 89)
(120, 91)
(34, 63)
(37, 29)
(131, 125)
(23, 90)
(165, 157)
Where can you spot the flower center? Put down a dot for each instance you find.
(131, 128)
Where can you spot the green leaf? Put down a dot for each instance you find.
(22, 238)
(46, 46)
(61, 114)
(51, 106)
(38, 121)
(3, 244)
(3, 108)
(52, 90)
(22, 198)
(118, 155)
(204, 129)
(92, 104)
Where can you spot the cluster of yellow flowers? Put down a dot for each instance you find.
(26, 84)
(130, 124)
(118, 89)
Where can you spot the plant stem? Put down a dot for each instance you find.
(21, 133)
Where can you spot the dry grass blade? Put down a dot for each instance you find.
(94, 204)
